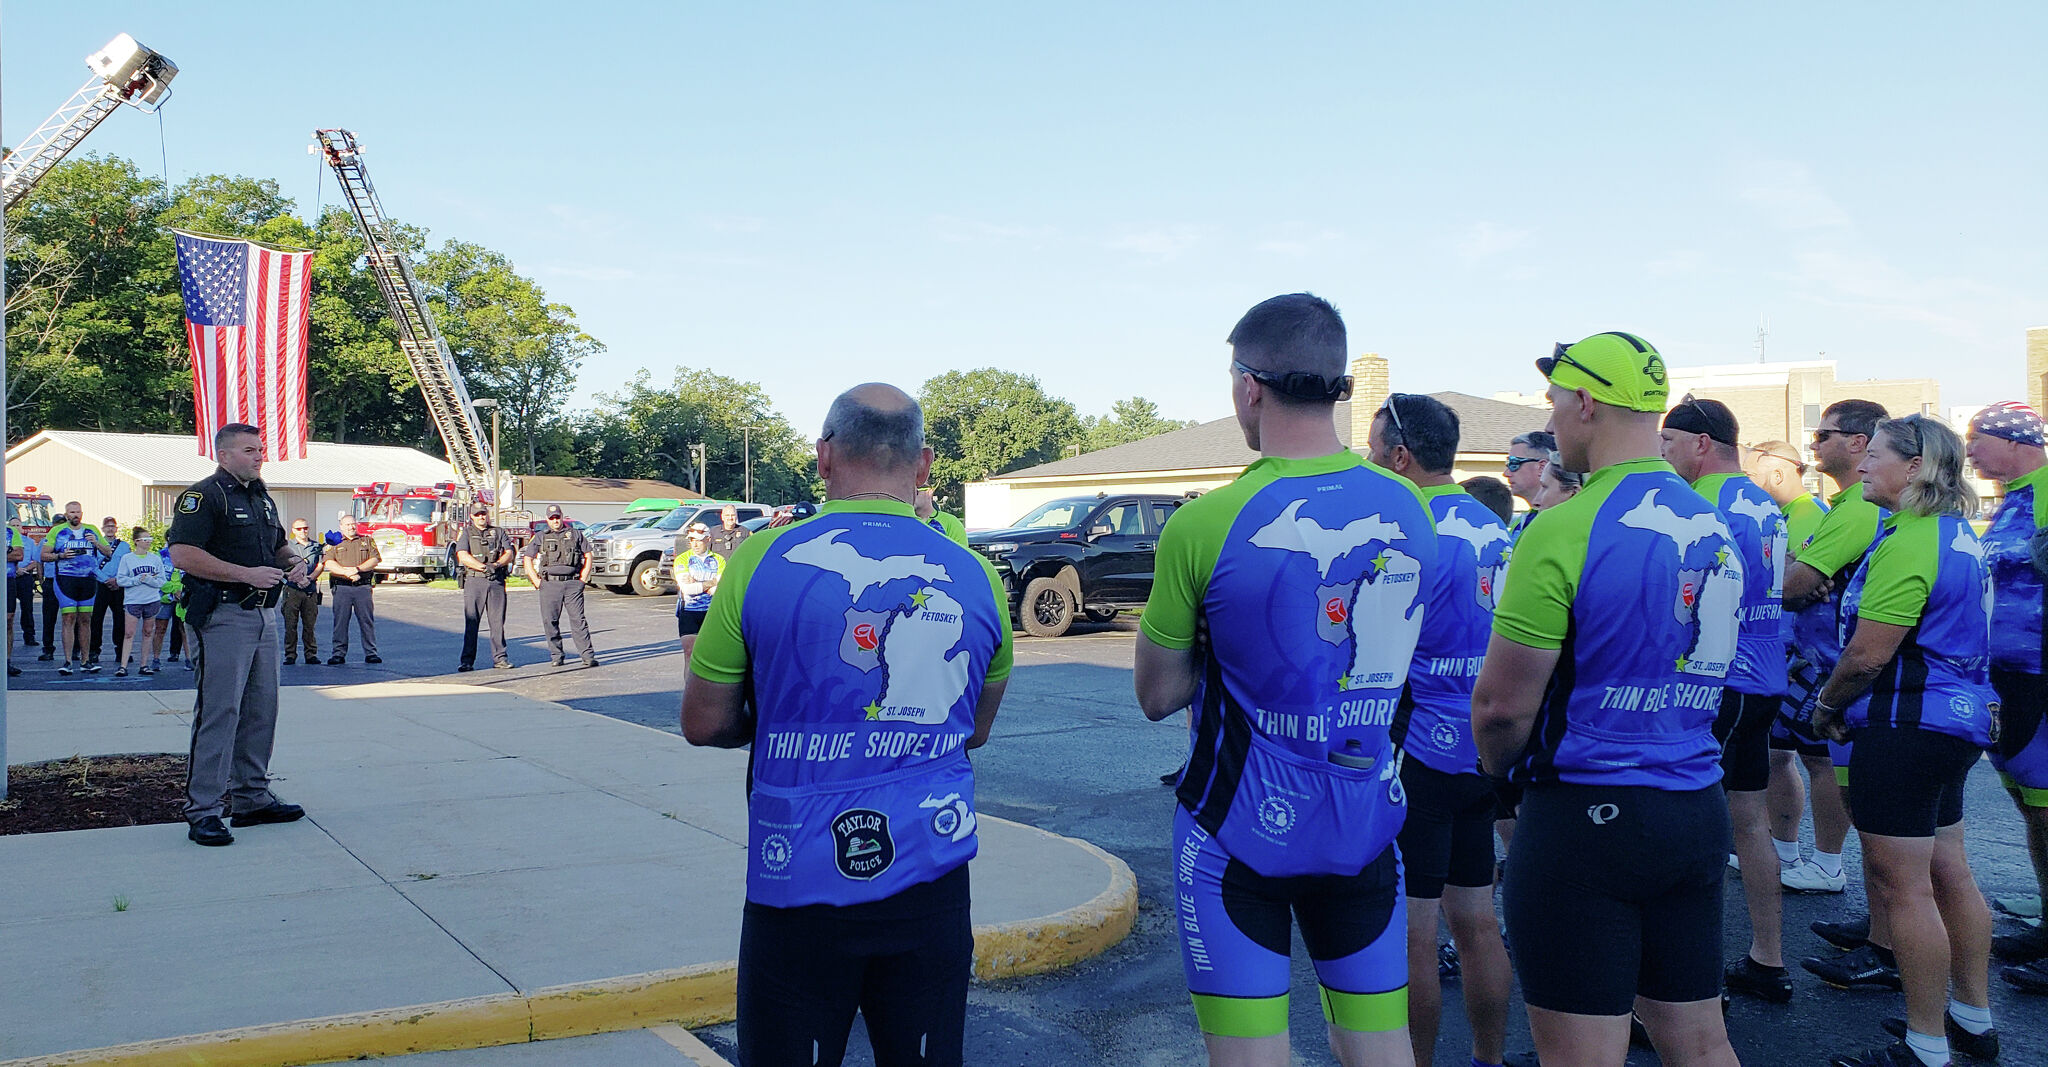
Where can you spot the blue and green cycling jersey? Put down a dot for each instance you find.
(1313, 576)
(2017, 586)
(1758, 526)
(1844, 538)
(864, 638)
(1803, 514)
(76, 550)
(705, 568)
(14, 541)
(1638, 585)
(1927, 574)
(1472, 551)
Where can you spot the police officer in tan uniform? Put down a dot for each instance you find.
(558, 563)
(227, 539)
(349, 573)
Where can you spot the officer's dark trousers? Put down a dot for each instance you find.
(235, 720)
(555, 597)
(21, 602)
(104, 602)
(353, 602)
(301, 611)
(483, 599)
(50, 615)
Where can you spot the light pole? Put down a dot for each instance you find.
(697, 450)
(487, 402)
(747, 461)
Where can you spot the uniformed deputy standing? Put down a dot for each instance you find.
(558, 563)
(485, 553)
(349, 566)
(227, 539)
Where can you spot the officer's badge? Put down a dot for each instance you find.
(862, 847)
(188, 502)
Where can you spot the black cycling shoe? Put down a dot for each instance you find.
(2028, 978)
(1982, 1046)
(1895, 1054)
(1750, 978)
(2024, 945)
(1847, 936)
(1447, 965)
(1857, 970)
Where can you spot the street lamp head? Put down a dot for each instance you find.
(483, 402)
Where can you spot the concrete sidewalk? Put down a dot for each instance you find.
(476, 869)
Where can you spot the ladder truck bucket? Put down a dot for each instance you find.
(140, 73)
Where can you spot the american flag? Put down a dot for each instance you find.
(245, 319)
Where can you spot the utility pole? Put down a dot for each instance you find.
(698, 451)
(747, 461)
(5, 647)
(496, 478)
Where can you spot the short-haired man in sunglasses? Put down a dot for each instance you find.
(1526, 455)
(1289, 808)
(1821, 568)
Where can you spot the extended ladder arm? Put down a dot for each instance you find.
(440, 380)
(124, 72)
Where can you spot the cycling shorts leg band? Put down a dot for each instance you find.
(1366, 1013)
(2021, 752)
(1241, 1016)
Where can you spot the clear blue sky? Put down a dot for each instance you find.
(812, 195)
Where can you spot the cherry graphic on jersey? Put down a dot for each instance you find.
(1334, 610)
(865, 636)
(1689, 592)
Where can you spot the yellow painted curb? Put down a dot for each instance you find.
(701, 995)
(1035, 946)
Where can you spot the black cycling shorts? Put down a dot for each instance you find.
(689, 622)
(902, 961)
(1744, 730)
(1614, 892)
(1908, 782)
(1448, 838)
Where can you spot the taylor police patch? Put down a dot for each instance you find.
(188, 502)
(862, 846)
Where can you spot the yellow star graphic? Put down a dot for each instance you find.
(918, 598)
(1721, 557)
(1379, 562)
(874, 711)
(1681, 663)
(1344, 682)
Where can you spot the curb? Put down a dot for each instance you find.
(702, 995)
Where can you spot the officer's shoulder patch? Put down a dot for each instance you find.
(188, 502)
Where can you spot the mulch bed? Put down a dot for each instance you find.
(92, 792)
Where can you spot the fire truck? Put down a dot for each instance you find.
(412, 525)
(30, 512)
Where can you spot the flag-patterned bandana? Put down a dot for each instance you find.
(2011, 421)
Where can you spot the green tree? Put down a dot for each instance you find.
(644, 432)
(986, 421)
(510, 342)
(1128, 420)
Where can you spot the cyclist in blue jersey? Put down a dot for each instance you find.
(1913, 689)
(1447, 842)
(18, 561)
(1528, 453)
(861, 653)
(2006, 444)
(1611, 642)
(1780, 471)
(1700, 442)
(75, 551)
(1292, 798)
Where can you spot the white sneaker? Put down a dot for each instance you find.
(1807, 877)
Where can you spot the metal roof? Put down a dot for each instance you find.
(552, 487)
(173, 459)
(1484, 426)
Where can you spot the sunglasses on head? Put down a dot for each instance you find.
(1393, 412)
(1560, 355)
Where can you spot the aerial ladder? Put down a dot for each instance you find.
(123, 72)
(440, 381)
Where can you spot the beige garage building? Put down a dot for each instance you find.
(137, 477)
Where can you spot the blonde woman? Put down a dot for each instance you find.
(1913, 691)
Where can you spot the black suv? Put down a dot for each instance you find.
(1081, 555)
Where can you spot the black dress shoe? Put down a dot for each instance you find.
(289, 660)
(373, 658)
(277, 811)
(1982, 1046)
(209, 831)
(463, 668)
(557, 661)
(47, 656)
(590, 661)
(336, 661)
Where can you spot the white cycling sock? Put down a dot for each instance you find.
(1830, 863)
(1970, 1017)
(1788, 851)
(1933, 1051)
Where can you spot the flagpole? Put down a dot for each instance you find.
(6, 646)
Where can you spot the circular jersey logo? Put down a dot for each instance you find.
(1444, 735)
(945, 821)
(1277, 816)
(1333, 609)
(775, 852)
(862, 848)
(864, 635)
